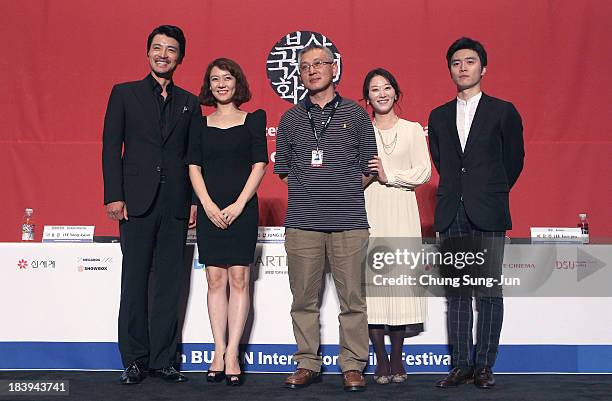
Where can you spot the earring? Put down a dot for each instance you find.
(395, 98)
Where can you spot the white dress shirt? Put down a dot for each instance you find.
(465, 115)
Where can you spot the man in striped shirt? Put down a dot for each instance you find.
(322, 150)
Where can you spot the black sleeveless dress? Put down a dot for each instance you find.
(226, 157)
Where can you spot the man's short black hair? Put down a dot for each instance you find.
(173, 32)
(467, 43)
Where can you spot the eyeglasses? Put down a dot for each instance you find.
(317, 65)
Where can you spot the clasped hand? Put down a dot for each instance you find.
(223, 218)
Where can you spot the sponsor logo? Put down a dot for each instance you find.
(519, 266)
(585, 264)
(574, 264)
(282, 63)
(24, 264)
(271, 264)
(85, 264)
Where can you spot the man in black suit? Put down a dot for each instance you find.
(146, 189)
(476, 144)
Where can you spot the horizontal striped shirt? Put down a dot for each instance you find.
(327, 198)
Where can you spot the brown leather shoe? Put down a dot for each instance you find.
(353, 380)
(302, 378)
(456, 377)
(483, 378)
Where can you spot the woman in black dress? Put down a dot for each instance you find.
(227, 163)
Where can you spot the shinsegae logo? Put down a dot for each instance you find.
(24, 264)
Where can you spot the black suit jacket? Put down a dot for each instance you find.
(135, 151)
(483, 174)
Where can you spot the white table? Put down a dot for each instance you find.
(60, 302)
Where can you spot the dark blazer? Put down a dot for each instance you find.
(132, 124)
(483, 174)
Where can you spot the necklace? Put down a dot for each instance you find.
(389, 147)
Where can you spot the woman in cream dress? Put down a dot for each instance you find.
(402, 164)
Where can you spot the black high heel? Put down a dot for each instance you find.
(233, 380)
(215, 376)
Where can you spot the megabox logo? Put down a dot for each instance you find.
(94, 263)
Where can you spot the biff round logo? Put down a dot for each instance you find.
(282, 63)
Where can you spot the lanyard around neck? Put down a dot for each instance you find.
(319, 136)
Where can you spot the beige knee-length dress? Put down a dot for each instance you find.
(393, 213)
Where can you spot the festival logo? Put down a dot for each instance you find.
(282, 63)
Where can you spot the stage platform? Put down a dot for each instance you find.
(96, 386)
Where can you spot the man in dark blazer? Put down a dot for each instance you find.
(476, 144)
(147, 190)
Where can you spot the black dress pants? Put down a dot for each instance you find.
(157, 239)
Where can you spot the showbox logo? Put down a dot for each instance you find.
(94, 264)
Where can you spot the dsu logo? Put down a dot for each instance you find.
(282, 63)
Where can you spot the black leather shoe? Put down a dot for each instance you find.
(456, 377)
(133, 374)
(169, 374)
(483, 377)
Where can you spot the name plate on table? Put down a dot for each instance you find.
(271, 234)
(557, 234)
(68, 234)
(192, 237)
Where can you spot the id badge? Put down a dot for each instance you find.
(317, 158)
